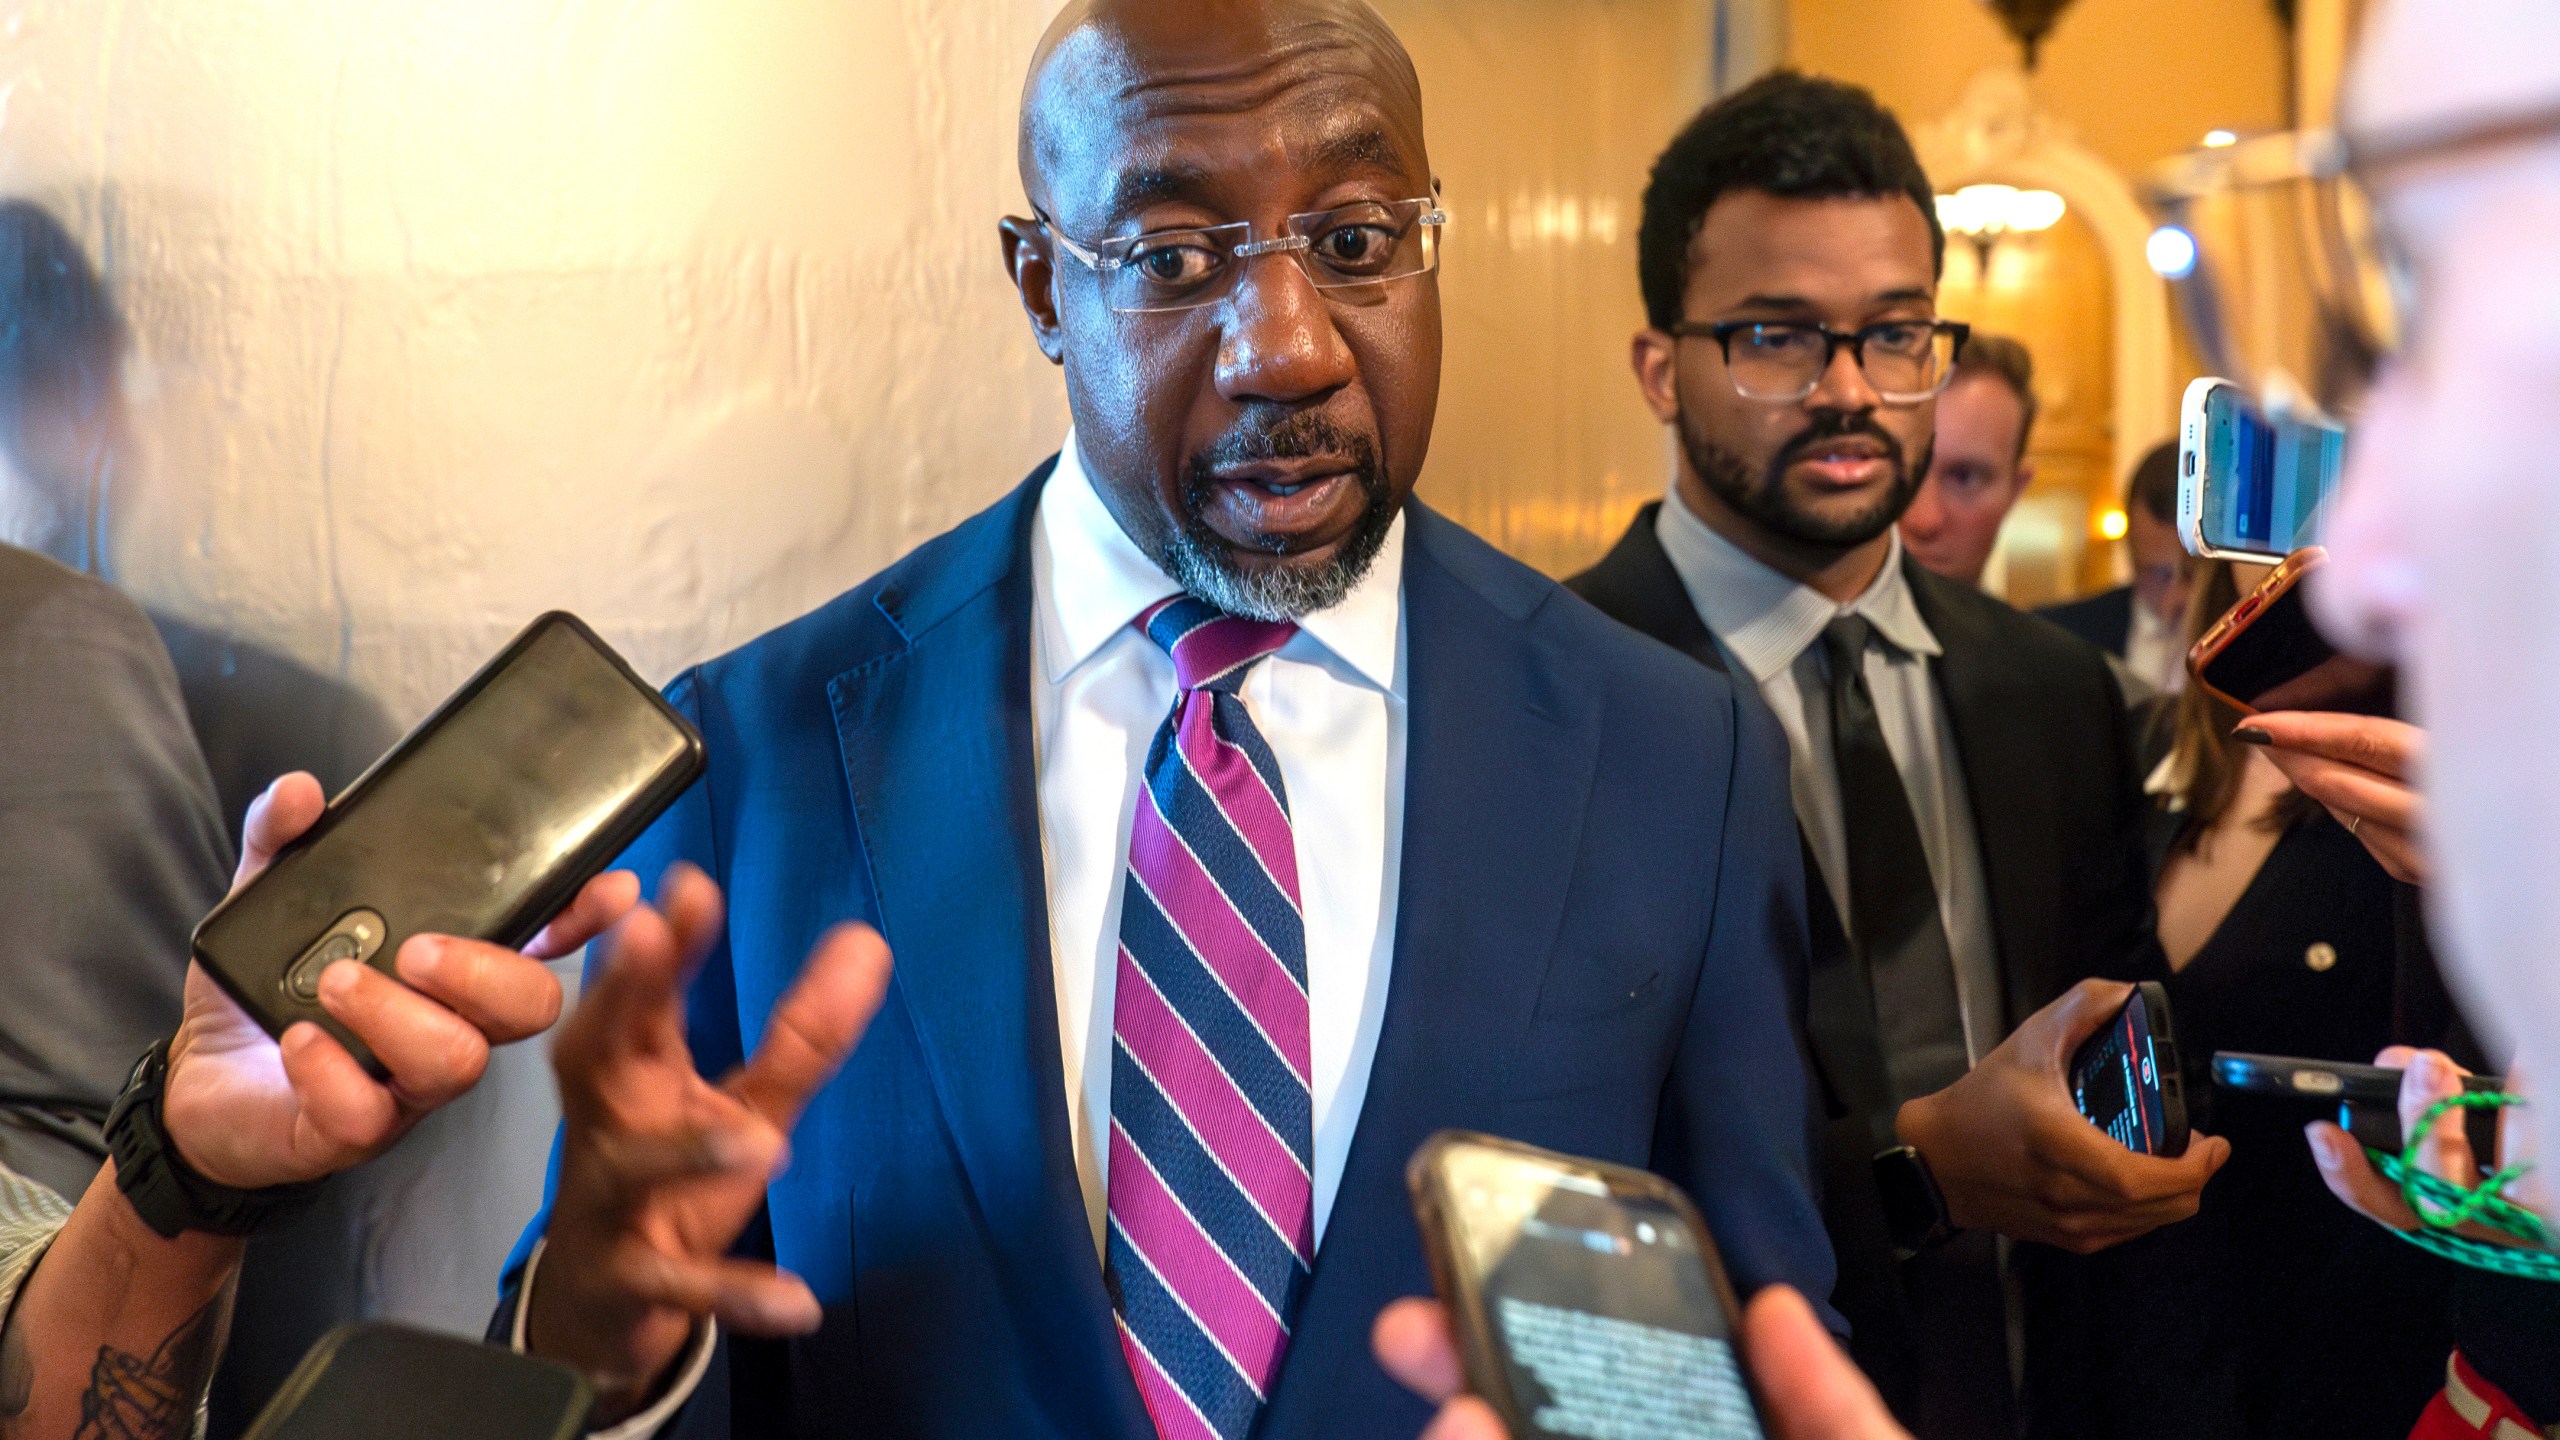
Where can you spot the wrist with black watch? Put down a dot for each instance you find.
(159, 1183)
(1915, 1212)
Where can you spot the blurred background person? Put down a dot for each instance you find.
(2142, 622)
(1978, 465)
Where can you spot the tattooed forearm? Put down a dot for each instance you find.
(154, 1397)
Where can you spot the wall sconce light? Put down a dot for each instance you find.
(1982, 215)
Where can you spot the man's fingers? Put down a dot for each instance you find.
(816, 1024)
(748, 1297)
(2352, 1178)
(692, 904)
(277, 818)
(505, 996)
(432, 1053)
(1465, 1418)
(1414, 1345)
(2431, 1077)
(599, 905)
(1811, 1390)
(627, 1008)
(344, 1111)
(640, 1160)
(2391, 748)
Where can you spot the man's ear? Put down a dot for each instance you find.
(1655, 355)
(2025, 476)
(1035, 278)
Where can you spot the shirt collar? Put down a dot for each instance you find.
(1090, 580)
(1766, 619)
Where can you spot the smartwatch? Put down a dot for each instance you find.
(157, 1181)
(1915, 1214)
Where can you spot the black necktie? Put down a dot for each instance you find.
(1894, 926)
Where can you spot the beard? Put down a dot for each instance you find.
(1763, 499)
(1205, 564)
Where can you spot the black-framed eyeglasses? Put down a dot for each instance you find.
(1368, 242)
(1906, 361)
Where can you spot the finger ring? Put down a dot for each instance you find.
(2354, 824)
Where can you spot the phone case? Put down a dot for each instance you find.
(586, 776)
(1457, 1286)
(378, 1381)
(2171, 1066)
(2317, 678)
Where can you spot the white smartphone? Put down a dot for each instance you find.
(2251, 487)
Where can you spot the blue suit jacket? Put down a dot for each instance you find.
(1599, 939)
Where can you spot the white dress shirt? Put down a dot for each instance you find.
(2154, 651)
(1769, 626)
(1331, 704)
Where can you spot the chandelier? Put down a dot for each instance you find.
(1984, 215)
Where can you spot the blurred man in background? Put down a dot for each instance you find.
(2141, 623)
(1978, 465)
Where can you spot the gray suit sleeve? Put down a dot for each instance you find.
(111, 848)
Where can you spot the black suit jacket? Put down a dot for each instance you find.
(2041, 729)
(2104, 619)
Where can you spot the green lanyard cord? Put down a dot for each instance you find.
(2442, 1206)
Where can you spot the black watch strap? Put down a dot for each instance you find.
(1915, 1213)
(163, 1189)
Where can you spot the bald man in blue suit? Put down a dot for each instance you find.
(1190, 956)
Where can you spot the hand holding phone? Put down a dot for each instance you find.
(249, 1112)
(482, 823)
(1585, 1298)
(2126, 1079)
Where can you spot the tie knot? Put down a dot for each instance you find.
(1846, 640)
(1211, 649)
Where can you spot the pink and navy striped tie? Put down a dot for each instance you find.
(1212, 1205)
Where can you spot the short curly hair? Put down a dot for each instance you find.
(1793, 135)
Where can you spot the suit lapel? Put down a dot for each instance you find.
(1498, 760)
(1983, 703)
(938, 755)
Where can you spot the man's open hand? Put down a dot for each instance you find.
(661, 1169)
(249, 1112)
(2013, 1155)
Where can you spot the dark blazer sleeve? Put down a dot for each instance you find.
(1733, 1126)
(688, 832)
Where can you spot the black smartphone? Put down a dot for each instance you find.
(2367, 1096)
(482, 822)
(2266, 654)
(377, 1381)
(2323, 1080)
(2126, 1080)
(1587, 1298)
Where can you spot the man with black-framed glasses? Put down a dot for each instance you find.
(1237, 822)
(1961, 772)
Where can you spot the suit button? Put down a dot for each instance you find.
(2321, 956)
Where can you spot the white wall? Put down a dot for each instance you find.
(684, 315)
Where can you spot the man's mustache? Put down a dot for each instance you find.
(1831, 425)
(1306, 435)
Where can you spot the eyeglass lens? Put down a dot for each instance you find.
(1366, 244)
(1785, 362)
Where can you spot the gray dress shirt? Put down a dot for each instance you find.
(1770, 628)
(111, 848)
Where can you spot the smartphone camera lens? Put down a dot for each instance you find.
(356, 936)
